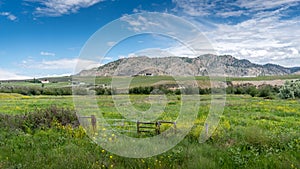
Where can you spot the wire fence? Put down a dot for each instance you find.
(124, 125)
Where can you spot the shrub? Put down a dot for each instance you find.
(291, 89)
(40, 119)
(265, 91)
(251, 90)
(34, 90)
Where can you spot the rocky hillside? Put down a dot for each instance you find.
(224, 65)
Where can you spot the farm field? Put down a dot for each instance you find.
(142, 80)
(253, 133)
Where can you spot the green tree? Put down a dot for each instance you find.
(290, 89)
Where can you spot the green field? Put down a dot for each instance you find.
(140, 80)
(20, 104)
(253, 133)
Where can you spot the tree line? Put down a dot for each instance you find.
(290, 90)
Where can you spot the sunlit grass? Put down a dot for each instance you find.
(252, 133)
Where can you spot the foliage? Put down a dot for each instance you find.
(141, 90)
(291, 89)
(103, 91)
(266, 91)
(39, 119)
(35, 90)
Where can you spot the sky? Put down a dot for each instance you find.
(40, 38)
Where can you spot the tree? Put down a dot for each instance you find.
(290, 89)
(265, 91)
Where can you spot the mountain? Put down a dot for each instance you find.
(223, 65)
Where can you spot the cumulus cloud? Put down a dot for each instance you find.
(149, 52)
(260, 40)
(8, 15)
(175, 50)
(9, 75)
(61, 7)
(47, 54)
(107, 58)
(268, 33)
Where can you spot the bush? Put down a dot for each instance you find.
(291, 89)
(204, 91)
(265, 91)
(39, 119)
(243, 89)
(34, 90)
(141, 90)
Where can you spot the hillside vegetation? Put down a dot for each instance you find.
(204, 65)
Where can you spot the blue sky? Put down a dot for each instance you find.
(44, 37)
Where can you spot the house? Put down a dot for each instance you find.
(46, 81)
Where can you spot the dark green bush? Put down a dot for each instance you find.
(265, 91)
(39, 119)
(34, 90)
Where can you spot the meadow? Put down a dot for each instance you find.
(253, 133)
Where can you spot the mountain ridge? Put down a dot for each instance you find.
(203, 65)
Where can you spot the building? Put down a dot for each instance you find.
(46, 81)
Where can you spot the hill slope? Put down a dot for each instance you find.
(224, 65)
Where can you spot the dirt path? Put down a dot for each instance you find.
(261, 82)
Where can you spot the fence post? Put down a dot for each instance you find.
(138, 127)
(206, 129)
(94, 122)
(157, 125)
(175, 128)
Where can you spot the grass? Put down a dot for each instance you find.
(259, 78)
(253, 133)
(20, 104)
(203, 81)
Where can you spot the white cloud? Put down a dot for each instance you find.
(56, 75)
(8, 16)
(268, 33)
(107, 58)
(68, 65)
(193, 7)
(257, 5)
(122, 56)
(135, 10)
(61, 7)
(260, 40)
(140, 23)
(47, 54)
(176, 50)
(181, 51)
(226, 9)
(151, 52)
(111, 44)
(230, 13)
(8, 75)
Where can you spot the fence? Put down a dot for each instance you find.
(84, 121)
(140, 127)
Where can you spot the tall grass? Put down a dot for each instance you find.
(253, 133)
